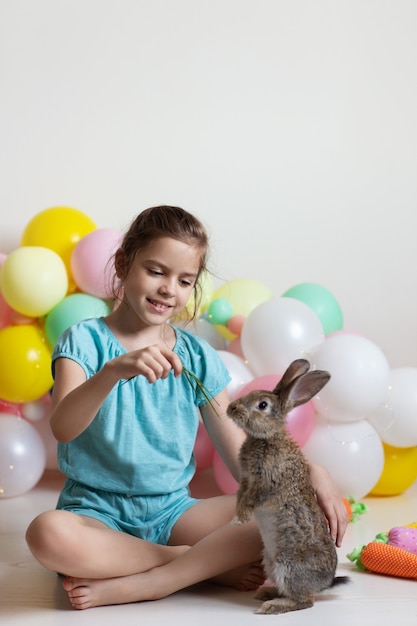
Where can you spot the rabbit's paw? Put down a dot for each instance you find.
(241, 518)
(276, 606)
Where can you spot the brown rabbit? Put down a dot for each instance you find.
(299, 554)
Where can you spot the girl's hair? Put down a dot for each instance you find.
(164, 221)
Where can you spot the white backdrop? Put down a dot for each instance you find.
(289, 128)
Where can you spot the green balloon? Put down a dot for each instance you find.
(73, 308)
(321, 301)
(219, 311)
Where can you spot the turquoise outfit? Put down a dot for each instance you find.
(135, 459)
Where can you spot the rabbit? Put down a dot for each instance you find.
(299, 555)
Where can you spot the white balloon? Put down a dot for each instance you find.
(352, 453)
(207, 331)
(277, 332)
(396, 418)
(22, 456)
(359, 377)
(238, 370)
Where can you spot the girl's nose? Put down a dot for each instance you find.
(168, 288)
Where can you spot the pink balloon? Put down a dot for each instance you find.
(235, 324)
(10, 408)
(91, 261)
(267, 383)
(300, 421)
(5, 313)
(203, 449)
(235, 348)
(222, 475)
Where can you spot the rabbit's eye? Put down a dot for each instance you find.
(263, 405)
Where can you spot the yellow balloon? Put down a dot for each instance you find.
(25, 363)
(33, 280)
(399, 471)
(59, 228)
(244, 294)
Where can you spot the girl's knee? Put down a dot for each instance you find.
(37, 530)
(45, 533)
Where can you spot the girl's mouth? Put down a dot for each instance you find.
(160, 307)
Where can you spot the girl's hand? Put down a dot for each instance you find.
(153, 362)
(330, 501)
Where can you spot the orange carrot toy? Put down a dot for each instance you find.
(392, 553)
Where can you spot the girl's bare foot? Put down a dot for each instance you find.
(85, 593)
(245, 578)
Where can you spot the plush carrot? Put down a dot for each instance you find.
(393, 553)
(354, 509)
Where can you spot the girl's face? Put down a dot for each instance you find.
(160, 280)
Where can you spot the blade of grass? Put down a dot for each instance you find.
(199, 387)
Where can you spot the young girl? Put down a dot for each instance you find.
(124, 413)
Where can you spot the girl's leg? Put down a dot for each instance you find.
(81, 546)
(221, 551)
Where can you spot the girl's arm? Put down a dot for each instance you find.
(76, 400)
(330, 501)
(226, 436)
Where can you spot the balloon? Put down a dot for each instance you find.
(12, 408)
(208, 332)
(203, 449)
(219, 311)
(235, 324)
(33, 280)
(43, 427)
(235, 347)
(395, 419)
(59, 228)
(243, 294)
(74, 308)
(359, 377)
(321, 301)
(25, 364)
(222, 475)
(399, 471)
(238, 371)
(277, 332)
(351, 452)
(38, 409)
(22, 456)
(91, 261)
(300, 421)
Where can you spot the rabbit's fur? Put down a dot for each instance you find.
(299, 554)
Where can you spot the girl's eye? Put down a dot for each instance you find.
(186, 283)
(155, 272)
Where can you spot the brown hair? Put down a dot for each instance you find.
(162, 221)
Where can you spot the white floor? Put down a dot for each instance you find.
(30, 595)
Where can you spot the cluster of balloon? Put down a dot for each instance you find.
(362, 426)
(58, 275)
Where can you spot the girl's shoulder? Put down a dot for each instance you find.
(89, 342)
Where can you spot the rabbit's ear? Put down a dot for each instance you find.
(294, 370)
(298, 385)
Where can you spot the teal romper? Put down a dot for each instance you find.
(132, 466)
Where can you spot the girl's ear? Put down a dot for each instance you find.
(120, 264)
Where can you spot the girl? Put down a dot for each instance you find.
(124, 413)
